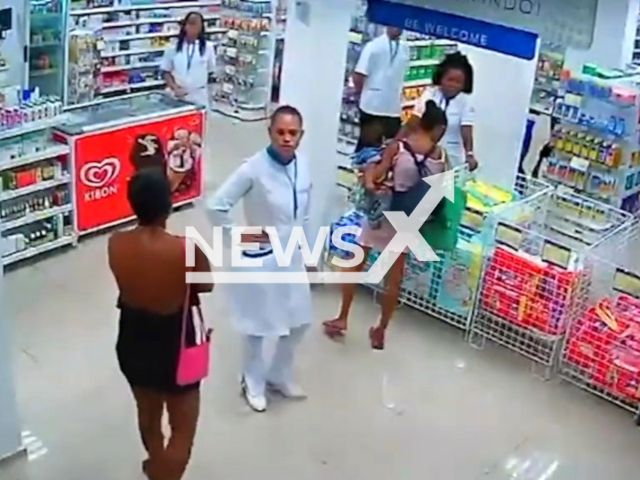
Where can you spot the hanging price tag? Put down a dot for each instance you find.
(556, 254)
(508, 235)
(626, 282)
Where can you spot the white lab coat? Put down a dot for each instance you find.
(459, 112)
(267, 193)
(383, 62)
(192, 76)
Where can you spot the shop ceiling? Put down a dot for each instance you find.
(565, 22)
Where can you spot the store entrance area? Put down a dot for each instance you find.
(430, 406)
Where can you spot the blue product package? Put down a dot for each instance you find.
(418, 277)
(348, 219)
(459, 278)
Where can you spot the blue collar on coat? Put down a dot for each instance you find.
(276, 157)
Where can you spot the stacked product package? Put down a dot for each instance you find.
(604, 347)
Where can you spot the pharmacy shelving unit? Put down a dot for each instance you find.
(36, 205)
(245, 59)
(596, 149)
(547, 80)
(114, 48)
(46, 47)
(425, 54)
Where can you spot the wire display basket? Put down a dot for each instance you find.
(447, 289)
(535, 280)
(602, 350)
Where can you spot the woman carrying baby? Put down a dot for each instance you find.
(395, 169)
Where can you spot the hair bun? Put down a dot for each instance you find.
(431, 106)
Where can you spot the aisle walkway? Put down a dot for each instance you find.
(460, 414)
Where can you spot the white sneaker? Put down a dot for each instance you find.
(288, 390)
(257, 403)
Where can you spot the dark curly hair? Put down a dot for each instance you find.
(455, 61)
(149, 195)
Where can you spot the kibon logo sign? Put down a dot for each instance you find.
(99, 176)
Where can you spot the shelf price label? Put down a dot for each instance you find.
(472, 219)
(556, 254)
(509, 235)
(626, 282)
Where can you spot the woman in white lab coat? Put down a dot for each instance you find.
(186, 65)
(451, 90)
(274, 185)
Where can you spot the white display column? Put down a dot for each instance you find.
(613, 37)
(313, 66)
(501, 111)
(10, 439)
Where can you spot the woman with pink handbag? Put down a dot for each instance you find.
(162, 344)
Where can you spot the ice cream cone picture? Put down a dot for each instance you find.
(183, 151)
(147, 152)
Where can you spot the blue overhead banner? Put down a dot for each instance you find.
(477, 33)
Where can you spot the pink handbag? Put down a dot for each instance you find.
(193, 361)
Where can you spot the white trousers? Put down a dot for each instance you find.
(280, 372)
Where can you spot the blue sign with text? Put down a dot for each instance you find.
(477, 33)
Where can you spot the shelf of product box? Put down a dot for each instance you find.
(43, 72)
(131, 86)
(31, 252)
(34, 45)
(137, 51)
(30, 127)
(36, 216)
(77, 12)
(6, 195)
(130, 66)
(150, 20)
(143, 36)
(420, 82)
(50, 151)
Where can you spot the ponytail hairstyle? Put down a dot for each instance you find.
(455, 61)
(433, 117)
(202, 39)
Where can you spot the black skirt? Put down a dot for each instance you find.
(148, 346)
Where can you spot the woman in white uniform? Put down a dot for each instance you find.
(275, 186)
(186, 65)
(451, 90)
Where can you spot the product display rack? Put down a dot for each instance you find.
(245, 59)
(447, 289)
(535, 277)
(602, 349)
(425, 54)
(46, 47)
(36, 204)
(114, 48)
(596, 151)
(547, 80)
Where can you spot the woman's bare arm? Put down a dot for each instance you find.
(202, 265)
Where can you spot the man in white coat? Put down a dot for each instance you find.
(275, 186)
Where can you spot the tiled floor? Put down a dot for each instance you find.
(458, 413)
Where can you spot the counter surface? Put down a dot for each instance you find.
(124, 111)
